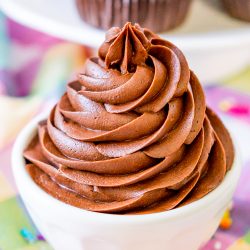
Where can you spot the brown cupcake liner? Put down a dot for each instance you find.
(157, 15)
(238, 8)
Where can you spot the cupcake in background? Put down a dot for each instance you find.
(157, 15)
(238, 8)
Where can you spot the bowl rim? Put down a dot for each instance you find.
(229, 183)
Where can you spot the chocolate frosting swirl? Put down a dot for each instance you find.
(133, 133)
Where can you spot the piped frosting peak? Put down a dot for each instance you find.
(125, 48)
(132, 134)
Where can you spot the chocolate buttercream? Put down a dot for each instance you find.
(133, 134)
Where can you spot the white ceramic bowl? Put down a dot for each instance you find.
(67, 227)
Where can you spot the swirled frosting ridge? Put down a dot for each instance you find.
(132, 134)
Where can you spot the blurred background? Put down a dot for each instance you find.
(44, 43)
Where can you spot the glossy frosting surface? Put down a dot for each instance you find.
(133, 134)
